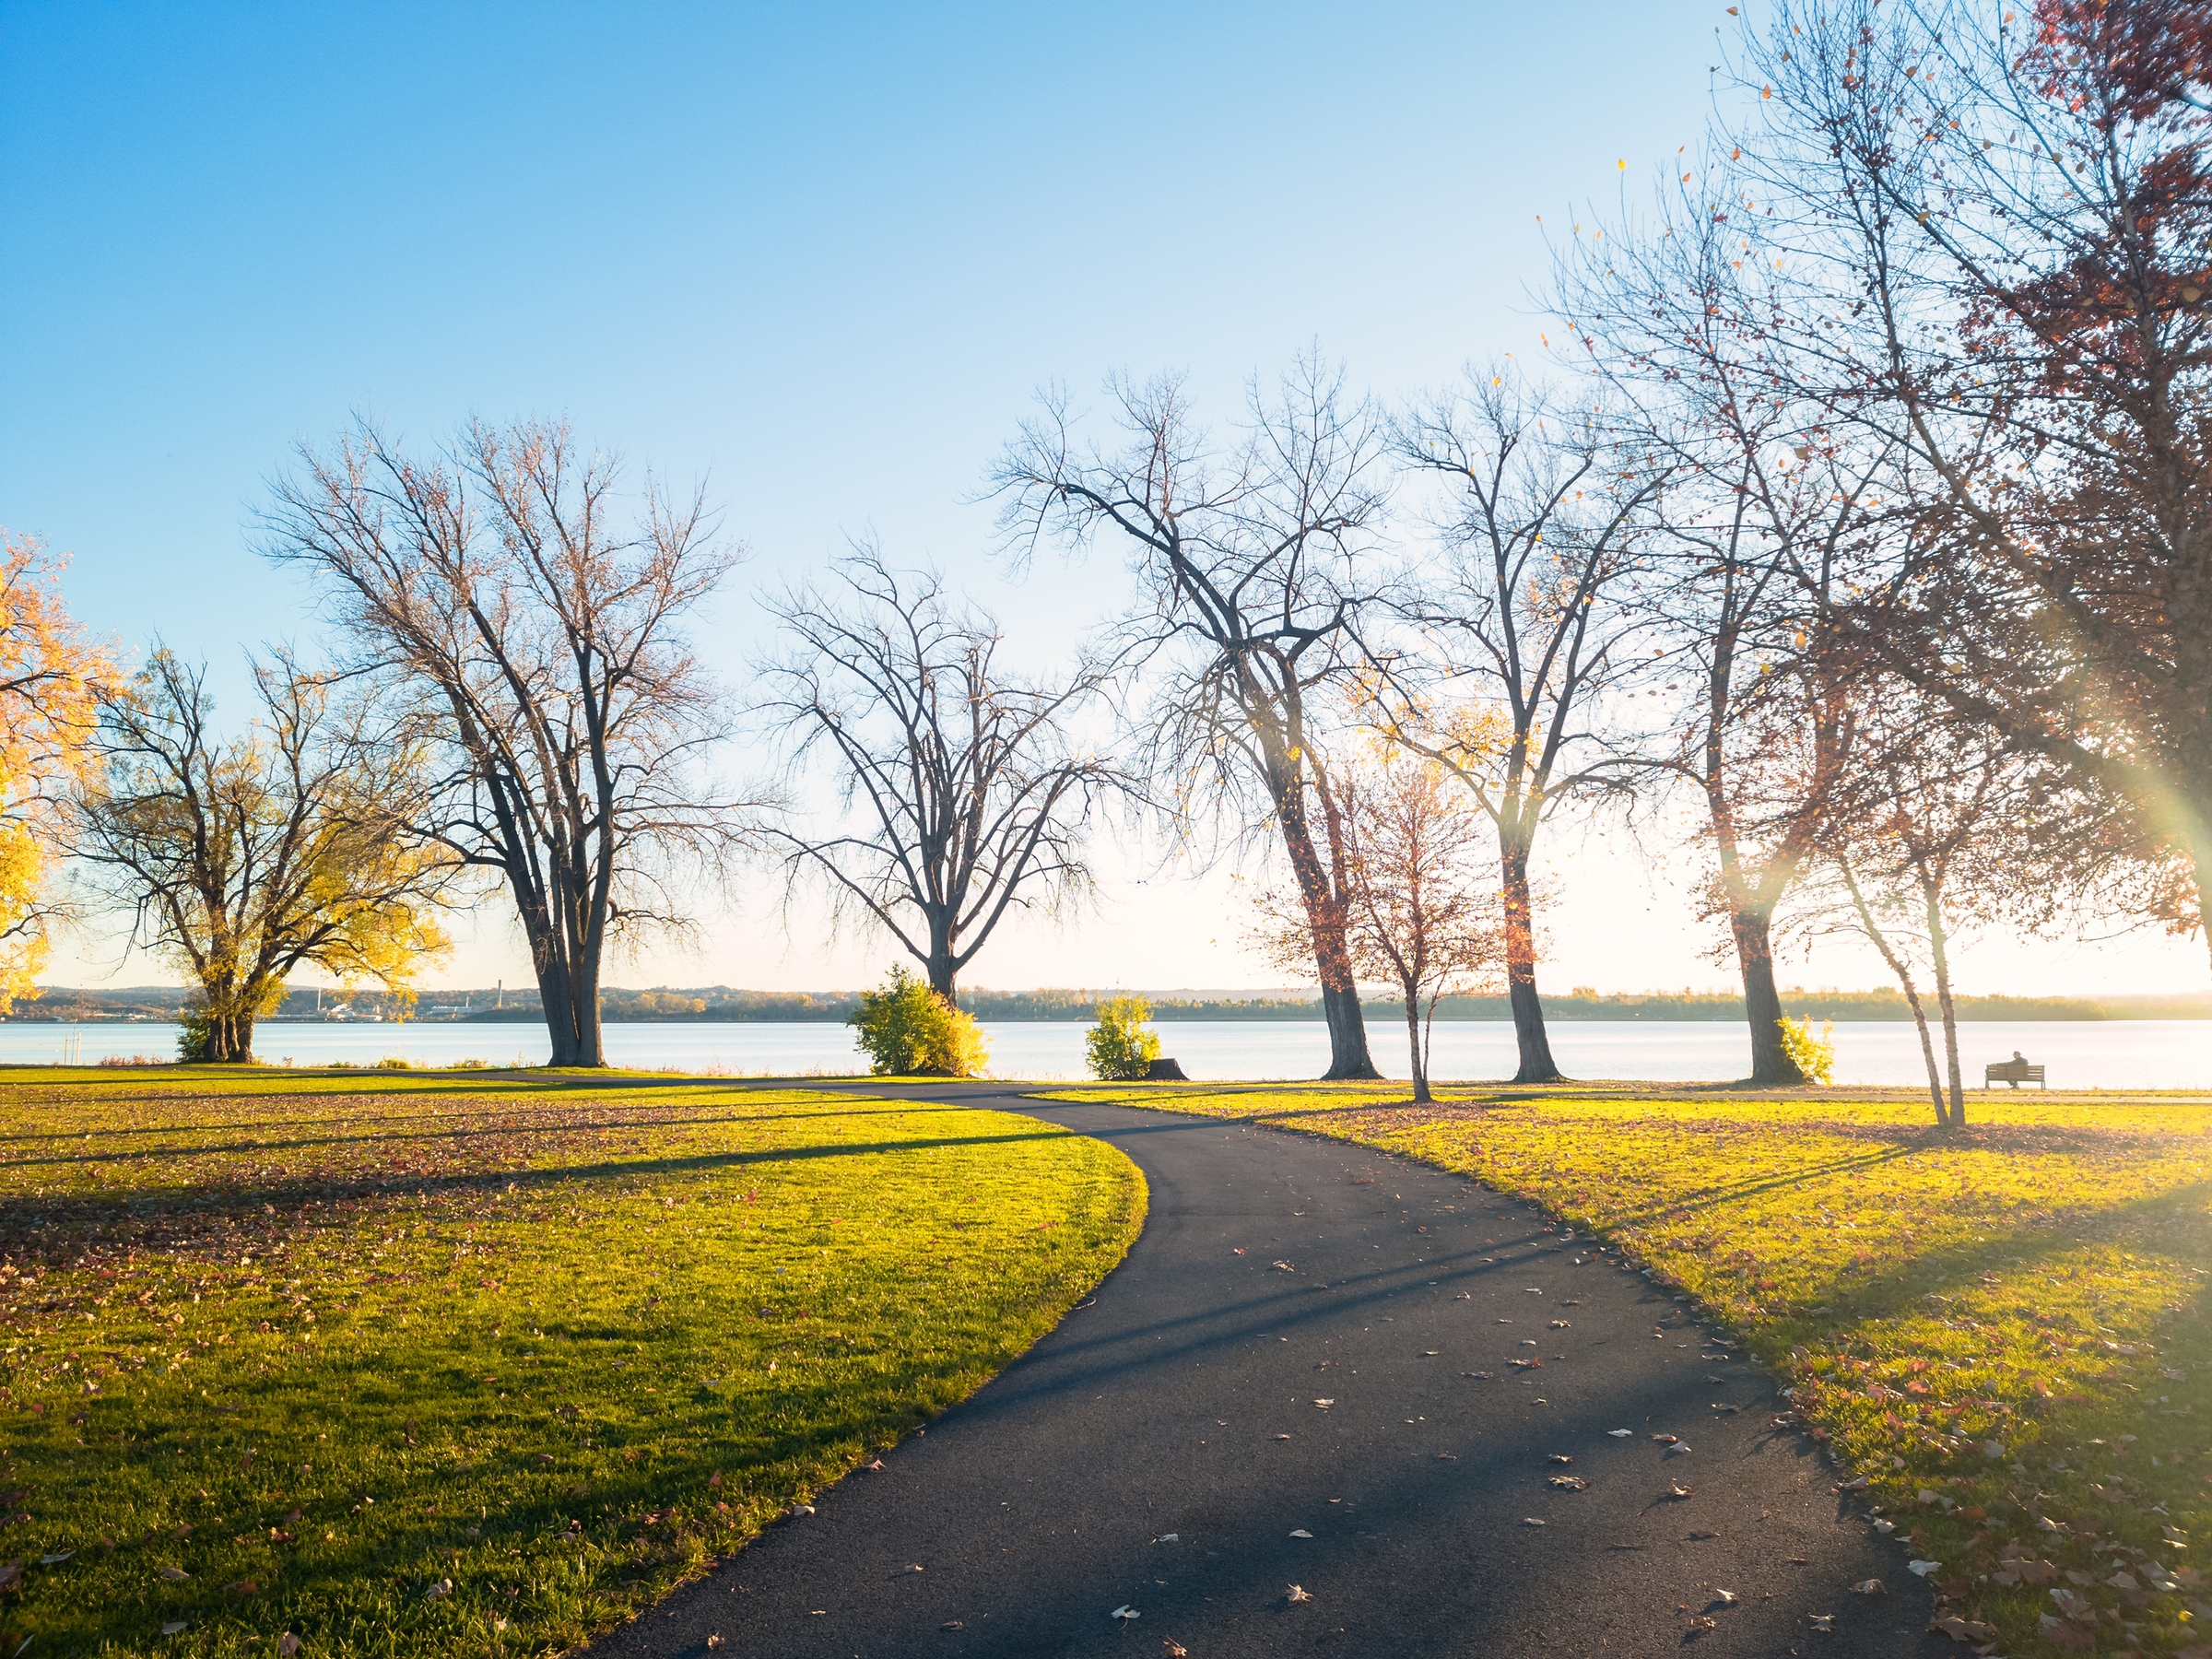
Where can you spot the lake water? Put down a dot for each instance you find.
(2147, 1053)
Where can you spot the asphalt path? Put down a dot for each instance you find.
(1326, 1368)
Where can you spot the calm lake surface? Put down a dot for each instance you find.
(2136, 1053)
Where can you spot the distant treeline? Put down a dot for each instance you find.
(721, 1003)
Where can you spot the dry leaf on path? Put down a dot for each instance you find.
(1297, 1595)
(1870, 1587)
(1301, 1532)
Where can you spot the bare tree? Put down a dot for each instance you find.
(292, 845)
(1526, 612)
(967, 795)
(1764, 526)
(542, 630)
(1251, 568)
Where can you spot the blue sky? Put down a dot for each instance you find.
(817, 256)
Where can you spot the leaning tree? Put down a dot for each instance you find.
(967, 792)
(537, 621)
(1250, 563)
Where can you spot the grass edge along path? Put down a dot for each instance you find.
(1998, 1332)
(424, 1363)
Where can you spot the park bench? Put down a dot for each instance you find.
(2015, 1072)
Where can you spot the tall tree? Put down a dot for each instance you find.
(51, 679)
(1252, 564)
(1989, 230)
(1525, 613)
(1762, 527)
(292, 845)
(967, 793)
(541, 629)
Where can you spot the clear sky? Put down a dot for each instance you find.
(819, 257)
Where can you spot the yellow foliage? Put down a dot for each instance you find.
(50, 676)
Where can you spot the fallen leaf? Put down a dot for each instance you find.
(1870, 1587)
(173, 1627)
(1678, 1491)
(1620, 1433)
(1561, 1457)
(1568, 1483)
(876, 1465)
(57, 1558)
(1297, 1595)
(1125, 1613)
(715, 1640)
(1823, 1622)
(288, 1644)
(1530, 1520)
(242, 1587)
(1172, 1648)
(1921, 1569)
(1704, 1622)
(1301, 1532)
(1324, 1405)
(1703, 1532)
(443, 1587)
(1667, 1439)
(173, 1574)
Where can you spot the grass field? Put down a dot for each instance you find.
(2002, 1329)
(428, 1364)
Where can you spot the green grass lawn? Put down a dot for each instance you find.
(424, 1363)
(2003, 1329)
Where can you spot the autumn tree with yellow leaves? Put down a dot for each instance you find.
(242, 861)
(50, 677)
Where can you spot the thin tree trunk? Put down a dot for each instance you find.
(1772, 1066)
(1413, 1039)
(1534, 1041)
(1904, 978)
(1941, 957)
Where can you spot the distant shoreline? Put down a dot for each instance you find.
(721, 1005)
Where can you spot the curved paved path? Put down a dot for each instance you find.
(1163, 1451)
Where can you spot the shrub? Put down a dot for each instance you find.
(1120, 1048)
(1815, 1056)
(907, 1029)
(195, 1036)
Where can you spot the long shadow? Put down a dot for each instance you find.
(76, 1209)
(416, 1131)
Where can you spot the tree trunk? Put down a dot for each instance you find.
(230, 1040)
(1534, 1041)
(1772, 1066)
(1940, 954)
(1413, 1036)
(1880, 941)
(944, 972)
(1348, 1057)
(571, 1007)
